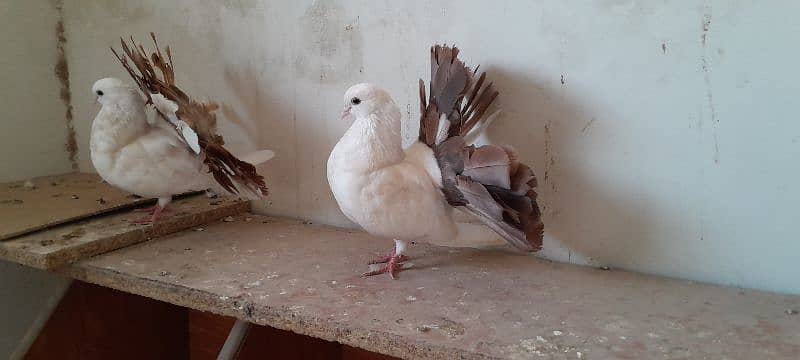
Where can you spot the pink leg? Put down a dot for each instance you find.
(155, 211)
(153, 217)
(387, 258)
(393, 261)
(392, 267)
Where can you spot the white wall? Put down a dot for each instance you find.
(34, 133)
(33, 138)
(662, 131)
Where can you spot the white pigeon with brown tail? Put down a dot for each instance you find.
(174, 154)
(409, 194)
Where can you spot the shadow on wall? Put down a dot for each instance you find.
(263, 121)
(272, 118)
(245, 87)
(588, 219)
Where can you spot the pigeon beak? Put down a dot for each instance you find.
(346, 112)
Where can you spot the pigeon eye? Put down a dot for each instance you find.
(355, 101)
(99, 92)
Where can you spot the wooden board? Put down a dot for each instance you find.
(66, 243)
(53, 200)
(452, 304)
(88, 325)
(96, 323)
(207, 333)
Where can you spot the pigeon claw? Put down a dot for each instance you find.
(387, 258)
(394, 264)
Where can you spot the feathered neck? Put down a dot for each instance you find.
(372, 142)
(118, 123)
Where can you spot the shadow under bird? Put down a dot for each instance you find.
(409, 194)
(174, 152)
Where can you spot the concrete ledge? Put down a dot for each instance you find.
(454, 303)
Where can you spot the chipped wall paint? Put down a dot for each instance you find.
(662, 132)
(62, 74)
(33, 135)
(32, 143)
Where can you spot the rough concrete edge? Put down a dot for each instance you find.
(278, 317)
(54, 260)
(22, 257)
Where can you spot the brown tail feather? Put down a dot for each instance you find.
(487, 181)
(223, 165)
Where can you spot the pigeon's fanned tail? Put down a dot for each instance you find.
(488, 181)
(226, 169)
(258, 157)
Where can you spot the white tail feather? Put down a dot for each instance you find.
(245, 192)
(258, 157)
(441, 132)
(476, 132)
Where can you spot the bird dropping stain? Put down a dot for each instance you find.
(706, 25)
(588, 125)
(62, 74)
(704, 63)
(548, 157)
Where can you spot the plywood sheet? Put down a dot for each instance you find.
(66, 243)
(39, 203)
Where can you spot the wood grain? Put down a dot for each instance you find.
(94, 322)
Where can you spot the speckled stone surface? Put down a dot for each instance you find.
(453, 303)
(64, 244)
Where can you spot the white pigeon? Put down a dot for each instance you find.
(147, 157)
(409, 194)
